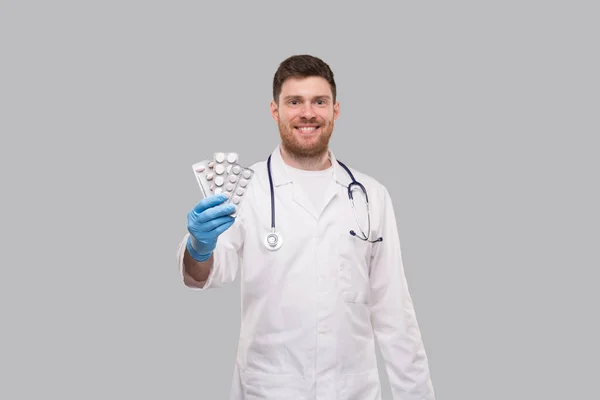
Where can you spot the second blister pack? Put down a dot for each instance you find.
(224, 162)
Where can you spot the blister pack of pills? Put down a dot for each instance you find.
(224, 162)
(239, 187)
(223, 174)
(205, 175)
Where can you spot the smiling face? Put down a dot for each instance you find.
(305, 113)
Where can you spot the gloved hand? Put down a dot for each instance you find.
(206, 221)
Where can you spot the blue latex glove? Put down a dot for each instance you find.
(206, 221)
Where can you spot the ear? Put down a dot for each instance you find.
(274, 111)
(336, 110)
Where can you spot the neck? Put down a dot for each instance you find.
(317, 162)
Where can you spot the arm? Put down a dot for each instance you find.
(393, 315)
(196, 270)
(222, 266)
(209, 254)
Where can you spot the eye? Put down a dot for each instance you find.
(321, 102)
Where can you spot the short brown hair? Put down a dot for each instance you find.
(302, 66)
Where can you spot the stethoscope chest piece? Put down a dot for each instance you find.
(273, 241)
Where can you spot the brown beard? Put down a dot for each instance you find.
(306, 151)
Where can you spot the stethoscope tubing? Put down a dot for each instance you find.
(276, 243)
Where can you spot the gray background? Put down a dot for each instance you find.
(481, 118)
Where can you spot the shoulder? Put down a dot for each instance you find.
(380, 201)
(258, 166)
(375, 188)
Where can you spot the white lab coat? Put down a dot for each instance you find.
(312, 309)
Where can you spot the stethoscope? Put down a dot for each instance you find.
(274, 241)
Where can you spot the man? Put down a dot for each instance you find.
(311, 309)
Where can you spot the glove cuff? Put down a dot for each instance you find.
(194, 253)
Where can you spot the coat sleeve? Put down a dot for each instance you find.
(227, 258)
(393, 315)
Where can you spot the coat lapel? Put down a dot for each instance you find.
(282, 177)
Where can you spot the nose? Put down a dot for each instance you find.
(307, 111)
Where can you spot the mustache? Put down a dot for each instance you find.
(308, 121)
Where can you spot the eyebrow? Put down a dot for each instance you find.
(325, 96)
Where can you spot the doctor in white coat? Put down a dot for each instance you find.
(317, 293)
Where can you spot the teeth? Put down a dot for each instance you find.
(307, 128)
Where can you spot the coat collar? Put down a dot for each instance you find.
(281, 175)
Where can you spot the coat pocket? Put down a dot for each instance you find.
(258, 386)
(363, 386)
(356, 297)
(354, 257)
